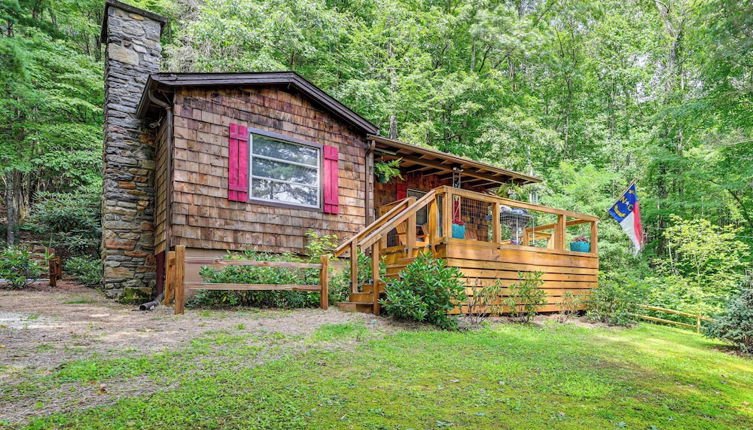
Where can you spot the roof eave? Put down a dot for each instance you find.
(174, 80)
(514, 176)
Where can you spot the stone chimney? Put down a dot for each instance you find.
(132, 52)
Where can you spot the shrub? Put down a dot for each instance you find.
(614, 302)
(88, 272)
(525, 296)
(258, 275)
(425, 291)
(736, 324)
(71, 221)
(18, 268)
(570, 305)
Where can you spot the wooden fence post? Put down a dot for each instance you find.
(698, 323)
(180, 273)
(324, 282)
(375, 276)
(56, 270)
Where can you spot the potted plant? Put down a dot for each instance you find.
(580, 244)
(386, 170)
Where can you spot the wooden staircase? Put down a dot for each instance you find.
(362, 301)
(372, 241)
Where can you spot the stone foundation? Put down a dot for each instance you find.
(133, 51)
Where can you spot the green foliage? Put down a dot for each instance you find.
(319, 245)
(425, 291)
(615, 301)
(69, 221)
(525, 296)
(87, 271)
(18, 268)
(386, 170)
(703, 267)
(258, 275)
(735, 325)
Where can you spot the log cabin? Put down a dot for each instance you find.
(217, 162)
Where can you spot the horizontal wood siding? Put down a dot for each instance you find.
(203, 217)
(485, 264)
(161, 178)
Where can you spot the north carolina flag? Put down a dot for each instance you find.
(627, 212)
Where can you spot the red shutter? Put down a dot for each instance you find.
(330, 180)
(402, 191)
(237, 165)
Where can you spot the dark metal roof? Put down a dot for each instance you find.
(168, 81)
(431, 161)
(128, 8)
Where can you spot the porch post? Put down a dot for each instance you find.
(559, 233)
(375, 276)
(594, 237)
(447, 212)
(353, 267)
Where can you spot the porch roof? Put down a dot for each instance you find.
(430, 161)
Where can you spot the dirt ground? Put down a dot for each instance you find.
(42, 328)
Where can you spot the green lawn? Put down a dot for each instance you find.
(505, 376)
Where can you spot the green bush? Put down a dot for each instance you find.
(258, 275)
(736, 324)
(425, 291)
(70, 221)
(615, 301)
(18, 268)
(525, 296)
(88, 272)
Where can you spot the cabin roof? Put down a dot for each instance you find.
(430, 161)
(167, 82)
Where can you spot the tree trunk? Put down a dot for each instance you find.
(11, 206)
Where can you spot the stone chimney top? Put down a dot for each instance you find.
(134, 12)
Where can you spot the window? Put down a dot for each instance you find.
(284, 172)
(422, 216)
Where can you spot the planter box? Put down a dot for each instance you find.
(580, 246)
(458, 231)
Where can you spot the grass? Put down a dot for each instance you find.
(504, 376)
(82, 301)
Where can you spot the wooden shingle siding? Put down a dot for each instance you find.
(161, 178)
(202, 215)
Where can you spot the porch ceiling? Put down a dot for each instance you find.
(430, 161)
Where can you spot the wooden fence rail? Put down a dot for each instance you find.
(697, 317)
(176, 286)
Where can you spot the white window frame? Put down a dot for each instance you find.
(252, 133)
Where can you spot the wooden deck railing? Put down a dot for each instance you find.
(697, 317)
(176, 286)
(401, 216)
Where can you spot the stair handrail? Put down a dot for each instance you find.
(400, 218)
(399, 205)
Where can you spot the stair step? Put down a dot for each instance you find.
(367, 288)
(361, 297)
(356, 307)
